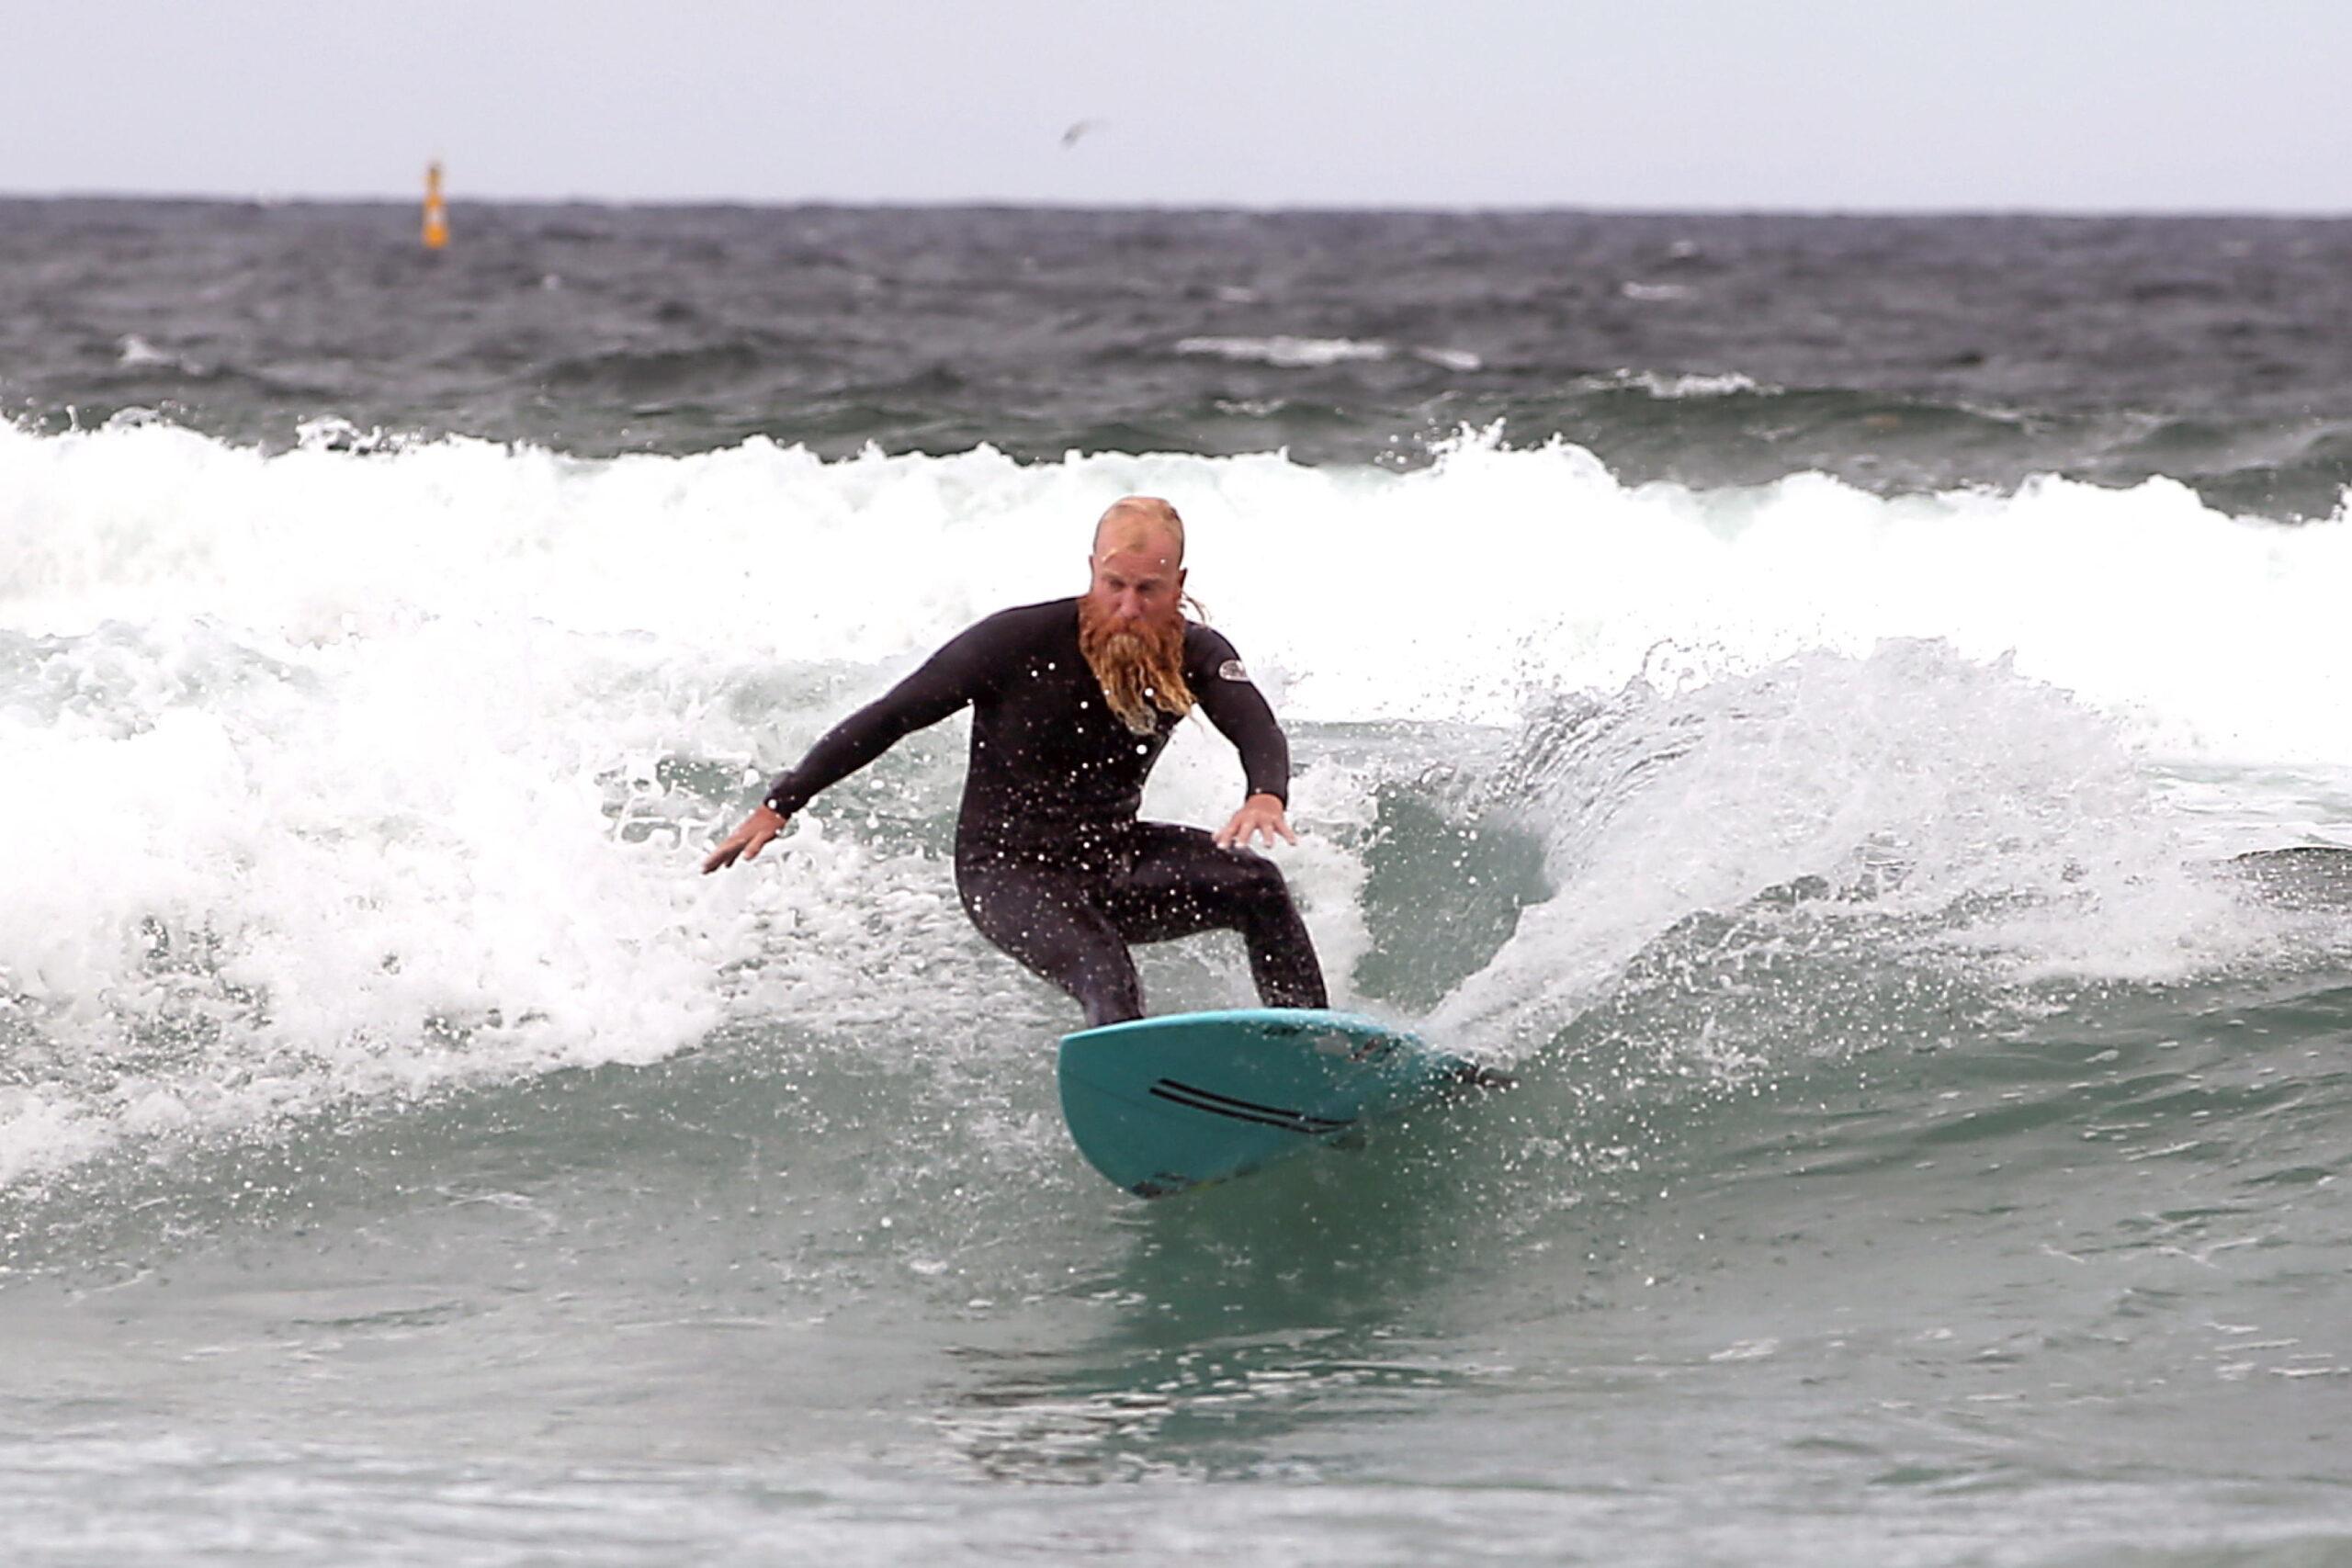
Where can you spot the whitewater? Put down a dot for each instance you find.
(337, 758)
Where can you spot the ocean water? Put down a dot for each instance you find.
(1851, 711)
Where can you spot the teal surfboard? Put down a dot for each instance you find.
(1162, 1104)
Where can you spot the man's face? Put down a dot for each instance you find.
(1136, 587)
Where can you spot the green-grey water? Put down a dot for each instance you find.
(1903, 864)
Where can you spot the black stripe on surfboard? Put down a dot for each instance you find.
(1285, 1120)
(1239, 1105)
(1216, 1104)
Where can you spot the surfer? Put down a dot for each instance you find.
(1072, 702)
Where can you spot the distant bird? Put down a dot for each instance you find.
(1071, 137)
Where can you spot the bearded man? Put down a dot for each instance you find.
(1072, 702)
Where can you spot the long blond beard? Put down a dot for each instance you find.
(1139, 670)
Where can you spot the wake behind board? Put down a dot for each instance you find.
(1162, 1104)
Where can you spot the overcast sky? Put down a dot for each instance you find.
(2067, 104)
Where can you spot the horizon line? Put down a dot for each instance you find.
(978, 203)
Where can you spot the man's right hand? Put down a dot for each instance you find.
(746, 841)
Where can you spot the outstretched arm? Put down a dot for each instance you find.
(1242, 715)
(947, 680)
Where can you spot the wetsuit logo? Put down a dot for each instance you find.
(1231, 669)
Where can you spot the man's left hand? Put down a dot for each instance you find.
(1259, 815)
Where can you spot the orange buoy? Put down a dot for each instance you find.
(437, 211)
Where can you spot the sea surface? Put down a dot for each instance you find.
(1851, 711)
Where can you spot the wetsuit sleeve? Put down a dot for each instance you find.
(949, 680)
(1241, 714)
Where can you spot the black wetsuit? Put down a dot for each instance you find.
(1052, 865)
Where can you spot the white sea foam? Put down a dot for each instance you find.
(131, 349)
(1288, 353)
(1460, 359)
(1672, 388)
(344, 773)
(1284, 350)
